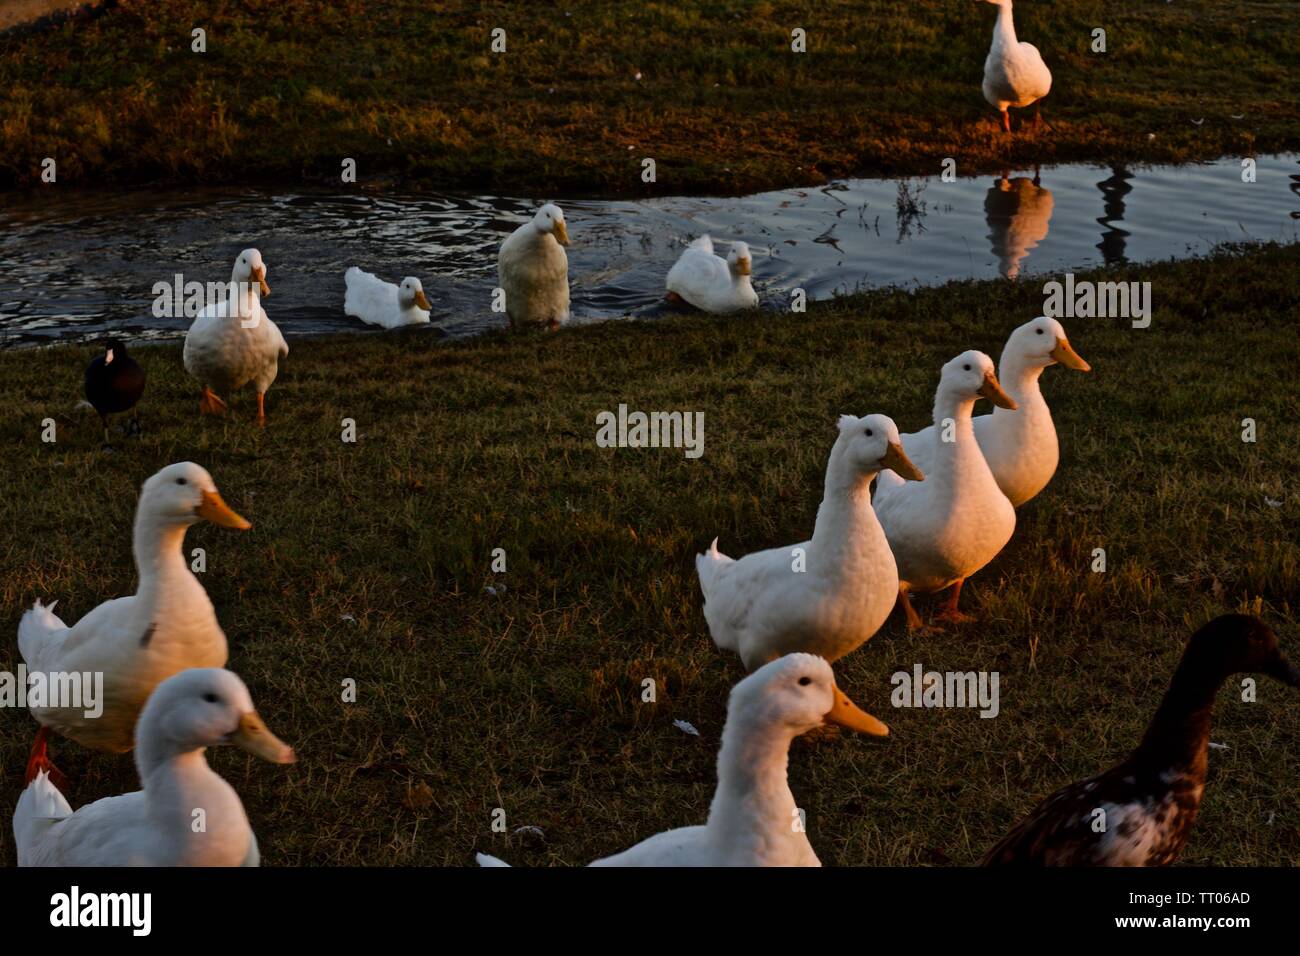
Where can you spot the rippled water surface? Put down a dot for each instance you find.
(73, 265)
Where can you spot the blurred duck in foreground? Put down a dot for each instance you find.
(1140, 813)
(825, 596)
(157, 825)
(753, 820)
(946, 528)
(1014, 72)
(136, 642)
(710, 283)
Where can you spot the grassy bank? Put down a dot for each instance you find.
(584, 92)
(370, 561)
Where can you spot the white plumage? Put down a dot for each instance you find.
(1014, 72)
(155, 826)
(533, 270)
(1019, 446)
(711, 283)
(944, 529)
(825, 596)
(233, 343)
(754, 820)
(136, 642)
(386, 304)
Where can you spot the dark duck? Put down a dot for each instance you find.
(114, 382)
(1140, 813)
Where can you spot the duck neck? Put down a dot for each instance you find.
(1179, 734)
(244, 299)
(753, 796)
(1019, 379)
(1004, 31)
(947, 406)
(156, 754)
(158, 557)
(845, 514)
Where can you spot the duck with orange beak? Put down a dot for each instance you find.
(134, 642)
(944, 529)
(751, 819)
(376, 302)
(233, 342)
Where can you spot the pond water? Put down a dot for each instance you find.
(74, 265)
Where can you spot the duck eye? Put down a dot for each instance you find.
(1039, 331)
(181, 481)
(211, 698)
(966, 367)
(869, 433)
(805, 681)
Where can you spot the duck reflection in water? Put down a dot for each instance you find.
(1017, 211)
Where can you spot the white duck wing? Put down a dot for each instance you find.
(108, 832)
(371, 299)
(699, 276)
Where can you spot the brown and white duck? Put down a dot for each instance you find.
(1141, 812)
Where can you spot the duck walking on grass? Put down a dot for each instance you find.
(1014, 72)
(709, 282)
(156, 825)
(1019, 445)
(753, 819)
(233, 342)
(825, 596)
(533, 271)
(114, 383)
(139, 641)
(1140, 813)
(947, 527)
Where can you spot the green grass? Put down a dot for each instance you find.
(369, 561)
(288, 89)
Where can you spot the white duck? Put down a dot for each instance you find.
(754, 820)
(1014, 72)
(533, 270)
(825, 596)
(946, 528)
(156, 826)
(372, 300)
(711, 283)
(233, 342)
(1020, 446)
(136, 642)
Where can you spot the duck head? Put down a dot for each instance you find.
(797, 693)
(113, 349)
(184, 494)
(970, 376)
(209, 707)
(872, 443)
(1239, 644)
(250, 268)
(739, 260)
(1041, 343)
(550, 220)
(411, 293)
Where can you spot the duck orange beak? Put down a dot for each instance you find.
(254, 736)
(845, 713)
(897, 461)
(1069, 357)
(421, 301)
(213, 509)
(561, 233)
(260, 276)
(993, 392)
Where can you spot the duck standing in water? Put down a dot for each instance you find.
(1014, 72)
(1141, 812)
(114, 383)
